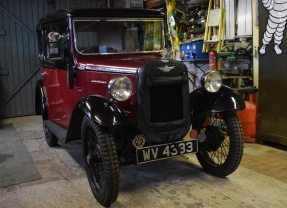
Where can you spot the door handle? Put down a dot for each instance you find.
(42, 74)
(80, 89)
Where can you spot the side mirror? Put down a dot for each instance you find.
(55, 36)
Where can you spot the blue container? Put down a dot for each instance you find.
(192, 51)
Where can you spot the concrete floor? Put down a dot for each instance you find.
(260, 181)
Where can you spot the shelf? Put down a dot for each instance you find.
(196, 60)
(154, 3)
(211, 41)
(235, 77)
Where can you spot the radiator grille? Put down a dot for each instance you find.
(166, 103)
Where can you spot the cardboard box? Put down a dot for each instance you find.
(154, 3)
(122, 4)
(128, 4)
(137, 4)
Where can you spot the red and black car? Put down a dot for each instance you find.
(106, 83)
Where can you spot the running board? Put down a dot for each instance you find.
(57, 130)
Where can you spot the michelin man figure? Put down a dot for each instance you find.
(276, 24)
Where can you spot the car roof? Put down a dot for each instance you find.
(101, 12)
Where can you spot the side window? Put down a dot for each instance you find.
(87, 39)
(54, 50)
(60, 49)
(87, 35)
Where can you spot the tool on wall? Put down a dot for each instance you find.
(192, 51)
(195, 2)
(236, 62)
(197, 17)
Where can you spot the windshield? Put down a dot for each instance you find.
(105, 36)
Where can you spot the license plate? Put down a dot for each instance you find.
(164, 151)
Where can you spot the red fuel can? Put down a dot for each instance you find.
(248, 116)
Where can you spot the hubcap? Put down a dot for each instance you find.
(217, 144)
(214, 138)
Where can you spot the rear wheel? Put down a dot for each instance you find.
(220, 154)
(101, 162)
(51, 139)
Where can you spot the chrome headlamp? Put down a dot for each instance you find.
(120, 88)
(211, 81)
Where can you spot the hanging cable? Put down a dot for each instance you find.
(199, 67)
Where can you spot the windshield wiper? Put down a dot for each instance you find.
(93, 23)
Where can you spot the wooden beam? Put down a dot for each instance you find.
(110, 3)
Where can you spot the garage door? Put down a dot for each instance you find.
(19, 65)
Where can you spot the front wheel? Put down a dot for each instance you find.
(100, 161)
(220, 154)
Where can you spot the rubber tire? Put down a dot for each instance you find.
(107, 154)
(235, 152)
(51, 139)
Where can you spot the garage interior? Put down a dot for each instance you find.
(54, 177)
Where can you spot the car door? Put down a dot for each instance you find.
(59, 97)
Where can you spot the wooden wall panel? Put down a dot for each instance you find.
(272, 115)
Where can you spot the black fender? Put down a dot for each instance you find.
(100, 110)
(203, 102)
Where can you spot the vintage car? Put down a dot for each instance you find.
(107, 80)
